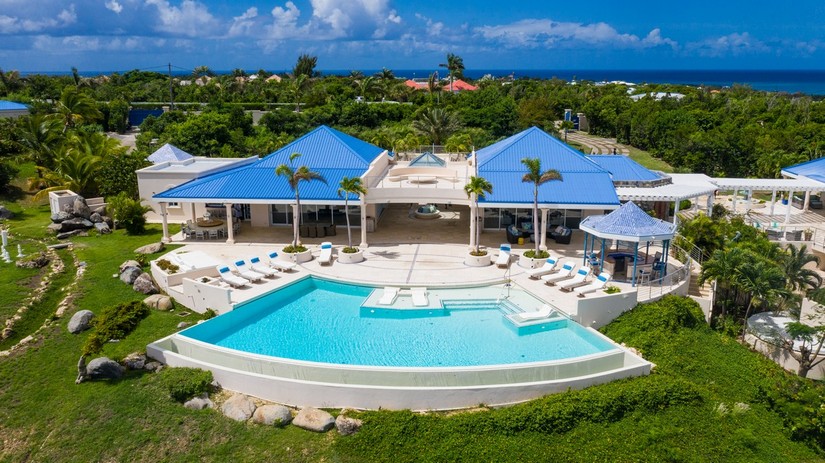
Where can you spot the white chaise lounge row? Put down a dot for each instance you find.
(254, 270)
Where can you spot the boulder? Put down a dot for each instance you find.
(53, 228)
(61, 216)
(347, 425)
(313, 419)
(130, 274)
(134, 361)
(127, 264)
(153, 366)
(80, 208)
(101, 210)
(38, 260)
(199, 403)
(67, 235)
(68, 208)
(103, 228)
(150, 248)
(104, 368)
(108, 221)
(272, 415)
(81, 321)
(144, 284)
(75, 224)
(96, 218)
(5, 213)
(183, 325)
(159, 302)
(239, 407)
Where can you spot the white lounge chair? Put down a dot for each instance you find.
(579, 279)
(503, 255)
(389, 296)
(544, 312)
(548, 267)
(419, 297)
(256, 265)
(597, 284)
(326, 253)
(279, 264)
(246, 272)
(228, 277)
(563, 274)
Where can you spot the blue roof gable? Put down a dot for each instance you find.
(327, 151)
(507, 154)
(814, 169)
(624, 169)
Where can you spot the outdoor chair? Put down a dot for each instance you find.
(597, 284)
(578, 280)
(563, 274)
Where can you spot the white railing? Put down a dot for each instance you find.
(671, 282)
(423, 181)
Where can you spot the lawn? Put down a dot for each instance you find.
(647, 160)
(670, 415)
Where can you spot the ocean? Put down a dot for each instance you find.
(811, 82)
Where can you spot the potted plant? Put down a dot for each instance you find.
(535, 258)
(297, 252)
(809, 233)
(350, 186)
(475, 189)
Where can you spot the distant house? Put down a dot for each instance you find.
(458, 85)
(274, 78)
(658, 96)
(13, 109)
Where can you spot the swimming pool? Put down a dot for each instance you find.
(323, 343)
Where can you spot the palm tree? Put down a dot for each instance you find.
(535, 176)
(294, 177)
(722, 266)
(437, 124)
(455, 64)
(367, 86)
(798, 277)
(38, 136)
(74, 108)
(296, 90)
(433, 85)
(478, 186)
(763, 281)
(350, 186)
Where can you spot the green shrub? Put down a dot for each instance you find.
(128, 213)
(167, 266)
(612, 289)
(115, 322)
(210, 313)
(185, 383)
(294, 249)
(531, 254)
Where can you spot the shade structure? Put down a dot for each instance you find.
(168, 153)
(627, 223)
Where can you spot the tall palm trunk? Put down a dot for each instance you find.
(536, 219)
(296, 217)
(346, 213)
(478, 229)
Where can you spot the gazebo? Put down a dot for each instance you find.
(629, 223)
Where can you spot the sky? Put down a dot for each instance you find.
(120, 35)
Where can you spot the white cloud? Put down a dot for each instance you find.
(333, 19)
(15, 24)
(84, 43)
(731, 44)
(243, 24)
(535, 33)
(191, 19)
(113, 5)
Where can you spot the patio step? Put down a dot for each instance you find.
(695, 289)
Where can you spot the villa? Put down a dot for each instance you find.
(415, 224)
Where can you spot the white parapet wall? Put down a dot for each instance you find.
(201, 296)
(596, 312)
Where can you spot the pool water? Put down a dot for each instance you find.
(321, 321)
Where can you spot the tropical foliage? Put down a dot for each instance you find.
(476, 189)
(350, 186)
(537, 177)
(294, 176)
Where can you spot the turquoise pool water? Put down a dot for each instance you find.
(321, 321)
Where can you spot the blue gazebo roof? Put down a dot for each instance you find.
(628, 223)
(168, 153)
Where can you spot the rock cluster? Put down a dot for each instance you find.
(77, 218)
(132, 274)
(38, 260)
(241, 408)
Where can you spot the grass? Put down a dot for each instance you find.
(44, 415)
(647, 160)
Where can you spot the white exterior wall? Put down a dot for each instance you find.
(598, 309)
(259, 215)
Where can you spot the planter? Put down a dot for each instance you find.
(478, 261)
(350, 257)
(530, 263)
(298, 257)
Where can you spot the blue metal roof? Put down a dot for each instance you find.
(624, 169)
(590, 188)
(583, 181)
(630, 221)
(329, 152)
(507, 154)
(427, 160)
(814, 169)
(6, 105)
(168, 153)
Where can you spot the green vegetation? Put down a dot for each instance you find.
(114, 322)
(184, 383)
(647, 160)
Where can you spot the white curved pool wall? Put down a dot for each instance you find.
(300, 383)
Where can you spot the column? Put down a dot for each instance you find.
(473, 222)
(735, 197)
(788, 210)
(543, 243)
(230, 225)
(166, 238)
(363, 224)
(807, 201)
(750, 201)
(676, 211)
(192, 211)
(773, 200)
(710, 205)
